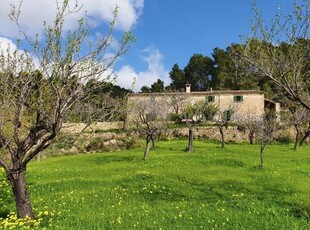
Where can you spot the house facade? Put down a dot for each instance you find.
(244, 103)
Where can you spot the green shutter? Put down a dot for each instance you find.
(227, 115)
(210, 98)
(238, 98)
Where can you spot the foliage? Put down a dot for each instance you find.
(198, 72)
(145, 89)
(215, 188)
(192, 114)
(100, 144)
(198, 111)
(177, 79)
(227, 71)
(158, 86)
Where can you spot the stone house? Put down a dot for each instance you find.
(242, 102)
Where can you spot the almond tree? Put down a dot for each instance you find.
(265, 134)
(224, 118)
(40, 85)
(305, 135)
(150, 118)
(279, 51)
(176, 102)
(299, 117)
(251, 124)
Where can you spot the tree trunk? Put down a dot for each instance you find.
(307, 134)
(147, 147)
(17, 179)
(125, 124)
(153, 143)
(190, 147)
(38, 156)
(251, 137)
(296, 136)
(222, 136)
(262, 147)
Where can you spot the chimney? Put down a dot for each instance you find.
(188, 88)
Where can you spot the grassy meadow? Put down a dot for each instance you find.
(212, 188)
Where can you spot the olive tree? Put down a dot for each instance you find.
(41, 84)
(191, 115)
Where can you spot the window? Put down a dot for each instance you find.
(210, 98)
(238, 98)
(227, 115)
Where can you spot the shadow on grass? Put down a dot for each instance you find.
(176, 188)
(301, 211)
(104, 159)
(4, 213)
(228, 162)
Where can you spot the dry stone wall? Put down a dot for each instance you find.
(211, 133)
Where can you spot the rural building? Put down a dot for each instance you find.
(243, 102)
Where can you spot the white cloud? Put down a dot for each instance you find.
(9, 50)
(6, 45)
(35, 12)
(127, 75)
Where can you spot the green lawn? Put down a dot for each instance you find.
(212, 188)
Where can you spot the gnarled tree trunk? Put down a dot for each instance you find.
(17, 179)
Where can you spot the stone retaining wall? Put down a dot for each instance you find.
(78, 127)
(211, 133)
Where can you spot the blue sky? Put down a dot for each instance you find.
(167, 31)
(174, 30)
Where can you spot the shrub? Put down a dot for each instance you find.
(176, 118)
(130, 143)
(96, 144)
(284, 138)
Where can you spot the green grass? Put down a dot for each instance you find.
(211, 188)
